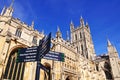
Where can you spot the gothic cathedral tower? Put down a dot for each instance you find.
(114, 61)
(8, 11)
(81, 37)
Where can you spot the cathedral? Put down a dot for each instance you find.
(81, 61)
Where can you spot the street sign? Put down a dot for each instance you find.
(44, 46)
(43, 49)
(57, 56)
(35, 53)
(62, 58)
(27, 54)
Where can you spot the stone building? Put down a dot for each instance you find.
(81, 62)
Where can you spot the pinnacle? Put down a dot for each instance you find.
(86, 23)
(32, 25)
(11, 5)
(108, 42)
(81, 17)
(58, 29)
(71, 22)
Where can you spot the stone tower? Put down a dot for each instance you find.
(81, 37)
(114, 61)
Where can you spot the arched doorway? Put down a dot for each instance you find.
(13, 70)
(107, 70)
(68, 78)
(47, 75)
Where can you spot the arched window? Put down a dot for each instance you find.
(77, 49)
(80, 35)
(34, 40)
(82, 50)
(13, 70)
(82, 47)
(75, 36)
(107, 70)
(97, 67)
(69, 78)
(18, 32)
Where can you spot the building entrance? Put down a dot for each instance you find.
(13, 70)
(68, 78)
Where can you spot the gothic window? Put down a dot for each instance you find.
(75, 36)
(34, 40)
(107, 70)
(97, 68)
(13, 70)
(82, 47)
(18, 32)
(80, 35)
(82, 50)
(77, 49)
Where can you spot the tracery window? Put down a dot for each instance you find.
(18, 32)
(80, 35)
(75, 36)
(13, 70)
(82, 50)
(34, 40)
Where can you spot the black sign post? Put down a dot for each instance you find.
(36, 53)
(44, 48)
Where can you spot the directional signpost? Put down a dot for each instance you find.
(57, 56)
(44, 48)
(36, 53)
(27, 54)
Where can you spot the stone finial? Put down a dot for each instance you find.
(71, 25)
(3, 10)
(82, 21)
(67, 36)
(42, 31)
(11, 5)
(71, 22)
(58, 33)
(87, 24)
(108, 42)
(32, 25)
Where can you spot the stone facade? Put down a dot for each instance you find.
(81, 62)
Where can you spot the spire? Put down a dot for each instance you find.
(3, 10)
(109, 43)
(71, 22)
(81, 17)
(82, 21)
(87, 24)
(42, 31)
(58, 29)
(11, 5)
(32, 25)
(71, 25)
(58, 33)
(67, 36)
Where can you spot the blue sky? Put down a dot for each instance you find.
(103, 17)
